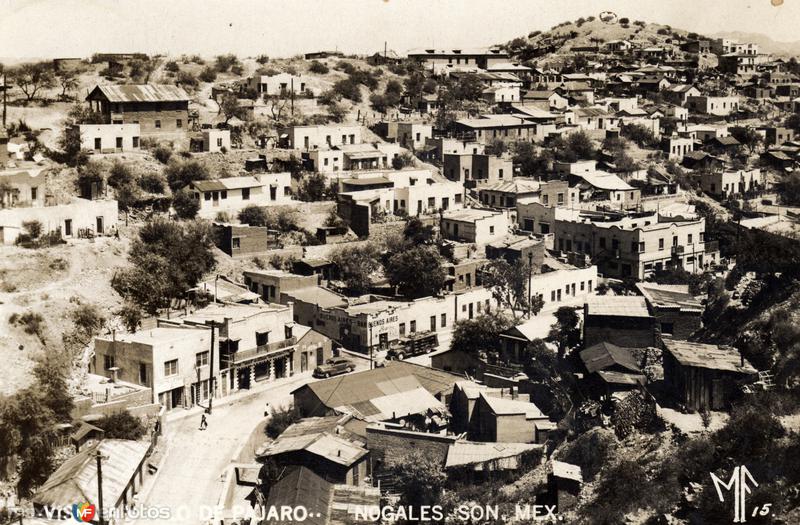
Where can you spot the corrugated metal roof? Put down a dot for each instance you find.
(604, 355)
(76, 479)
(713, 357)
(507, 406)
(469, 453)
(617, 305)
(139, 93)
(566, 471)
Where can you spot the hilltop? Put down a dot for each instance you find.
(560, 39)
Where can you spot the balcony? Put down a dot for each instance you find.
(678, 250)
(711, 246)
(263, 350)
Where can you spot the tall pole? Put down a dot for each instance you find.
(5, 97)
(369, 342)
(530, 282)
(99, 459)
(292, 94)
(211, 371)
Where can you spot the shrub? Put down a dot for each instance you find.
(253, 215)
(162, 153)
(120, 175)
(224, 63)
(281, 419)
(121, 425)
(185, 204)
(172, 66)
(262, 59)
(152, 182)
(187, 79)
(318, 67)
(208, 74)
(348, 89)
(32, 323)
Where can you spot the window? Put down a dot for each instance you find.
(219, 142)
(443, 320)
(413, 326)
(236, 243)
(158, 124)
(262, 338)
(689, 240)
(661, 244)
(119, 142)
(201, 359)
(207, 195)
(545, 199)
(560, 198)
(223, 194)
(433, 323)
(142, 373)
(179, 123)
(34, 193)
(491, 229)
(108, 362)
(500, 173)
(325, 161)
(171, 368)
(641, 247)
(245, 194)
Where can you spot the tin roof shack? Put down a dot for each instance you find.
(677, 312)
(159, 109)
(609, 369)
(704, 376)
(564, 485)
(326, 503)
(241, 240)
(76, 479)
(378, 394)
(332, 456)
(233, 194)
(485, 458)
(621, 320)
(515, 247)
(500, 416)
(390, 445)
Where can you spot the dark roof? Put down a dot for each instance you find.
(326, 503)
(604, 355)
(712, 357)
(727, 141)
(367, 181)
(139, 93)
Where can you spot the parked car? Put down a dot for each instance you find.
(334, 366)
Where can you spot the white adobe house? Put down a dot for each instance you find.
(280, 84)
(233, 194)
(109, 138)
(215, 140)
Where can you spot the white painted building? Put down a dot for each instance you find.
(73, 220)
(235, 193)
(280, 84)
(109, 138)
(215, 140)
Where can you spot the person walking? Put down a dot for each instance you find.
(203, 422)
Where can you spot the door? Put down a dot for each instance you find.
(99, 229)
(97, 144)
(303, 362)
(383, 340)
(68, 227)
(433, 323)
(320, 356)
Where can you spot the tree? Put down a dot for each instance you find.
(181, 174)
(509, 284)
(280, 419)
(480, 334)
(121, 425)
(565, 330)
(166, 260)
(67, 78)
(51, 372)
(33, 78)
(223, 63)
(420, 480)
(348, 88)
(229, 106)
(141, 69)
(417, 272)
(131, 316)
(748, 137)
(185, 204)
(416, 232)
(253, 215)
(208, 74)
(318, 68)
(356, 265)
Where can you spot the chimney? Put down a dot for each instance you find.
(339, 453)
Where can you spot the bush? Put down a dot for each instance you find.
(181, 174)
(224, 63)
(187, 79)
(185, 204)
(32, 323)
(172, 66)
(318, 67)
(262, 59)
(253, 215)
(120, 175)
(162, 153)
(208, 74)
(348, 89)
(280, 420)
(121, 425)
(152, 182)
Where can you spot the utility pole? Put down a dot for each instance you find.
(211, 371)
(291, 95)
(530, 282)
(5, 97)
(369, 342)
(99, 457)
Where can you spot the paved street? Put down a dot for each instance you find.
(190, 479)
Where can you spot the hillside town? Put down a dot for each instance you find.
(551, 280)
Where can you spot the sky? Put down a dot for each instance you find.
(78, 28)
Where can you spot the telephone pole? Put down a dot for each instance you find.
(5, 97)
(99, 457)
(211, 371)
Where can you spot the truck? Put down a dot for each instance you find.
(415, 344)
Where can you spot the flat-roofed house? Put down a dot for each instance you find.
(157, 108)
(703, 376)
(474, 225)
(109, 138)
(233, 194)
